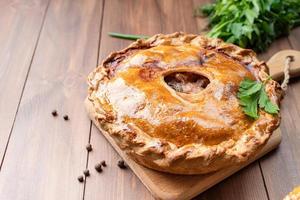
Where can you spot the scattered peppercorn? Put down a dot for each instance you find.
(98, 167)
(103, 163)
(80, 178)
(121, 164)
(89, 147)
(292, 58)
(66, 117)
(54, 113)
(86, 172)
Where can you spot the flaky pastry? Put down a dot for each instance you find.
(170, 102)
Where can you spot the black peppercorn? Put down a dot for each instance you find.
(54, 113)
(103, 163)
(98, 167)
(86, 172)
(121, 164)
(66, 117)
(89, 147)
(80, 179)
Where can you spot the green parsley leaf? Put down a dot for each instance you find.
(250, 91)
(247, 83)
(251, 24)
(249, 104)
(252, 94)
(127, 36)
(271, 108)
(264, 102)
(263, 99)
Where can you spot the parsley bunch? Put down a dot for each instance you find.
(253, 94)
(251, 23)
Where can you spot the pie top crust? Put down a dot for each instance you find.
(171, 103)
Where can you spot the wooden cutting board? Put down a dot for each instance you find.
(175, 187)
(182, 187)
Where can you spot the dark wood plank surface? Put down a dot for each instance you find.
(114, 183)
(46, 154)
(281, 169)
(46, 53)
(20, 25)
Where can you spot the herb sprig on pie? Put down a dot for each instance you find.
(172, 103)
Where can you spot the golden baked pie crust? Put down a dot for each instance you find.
(171, 131)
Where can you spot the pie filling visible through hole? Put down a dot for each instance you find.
(186, 82)
(171, 103)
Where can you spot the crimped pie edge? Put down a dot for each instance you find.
(193, 158)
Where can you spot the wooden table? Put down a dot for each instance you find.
(47, 48)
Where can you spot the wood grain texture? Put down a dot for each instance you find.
(281, 169)
(277, 45)
(46, 154)
(277, 63)
(113, 183)
(159, 17)
(294, 38)
(20, 23)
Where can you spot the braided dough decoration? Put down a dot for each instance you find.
(170, 102)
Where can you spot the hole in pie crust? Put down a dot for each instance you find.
(186, 82)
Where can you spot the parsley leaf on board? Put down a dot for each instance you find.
(251, 23)
(252, 94)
